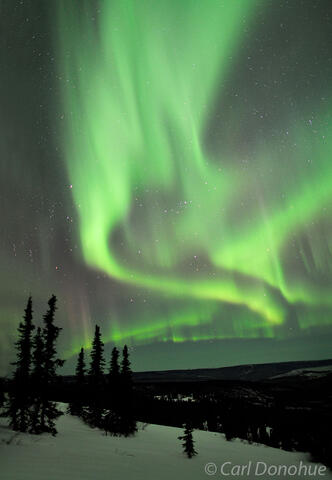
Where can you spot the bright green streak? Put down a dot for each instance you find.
(140, 88)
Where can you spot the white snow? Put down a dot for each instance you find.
(308, 372)
(81, 453)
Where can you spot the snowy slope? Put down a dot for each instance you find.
(314, 372)
(80, 453)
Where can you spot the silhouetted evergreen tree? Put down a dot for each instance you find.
(126, 374)
(45, 412)
(96, 381)
(126, 414)
(37, 380)
(50, 335)
(80, 368)
(119, 417)
(114, 380)
(97, 364)
(111, 422)
(188, 442)
(75, 406)
(51, 363)
(20, 395)
(114, 372)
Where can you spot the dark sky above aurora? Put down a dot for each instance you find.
(166, 172)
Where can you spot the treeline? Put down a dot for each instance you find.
(104, 401)
(28, 405)
(276, 426)
(101, 401)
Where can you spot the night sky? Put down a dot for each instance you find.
(166, 171)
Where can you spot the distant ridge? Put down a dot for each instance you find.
(250, 372)
(258, 372)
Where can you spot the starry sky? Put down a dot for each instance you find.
(166, 172)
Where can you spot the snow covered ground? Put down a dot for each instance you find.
(81, 453)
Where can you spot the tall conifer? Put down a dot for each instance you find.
(188, 442)
(20, 394)
(126, 401)
(97, 364)
(75, 406)
(80, 368)
(37, 380)
(114, 365)
(46, 363)
(96, 381)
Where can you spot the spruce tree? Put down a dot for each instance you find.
(75, 406)
(111, 420)
(119, 417)
(46, 363)
(80, 368)
(97, 364)
(50, 335)
(188, 442)
(114, 372)
(37, 381)
(126, 374)
(37, 374)
(20, 394)
(113, 394)
(126, 400)
(96, 381)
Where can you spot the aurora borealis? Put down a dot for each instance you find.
(167, 173)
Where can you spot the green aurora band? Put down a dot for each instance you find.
(155, 205)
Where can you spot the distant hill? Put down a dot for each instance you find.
(275, 372)
(250, 372)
